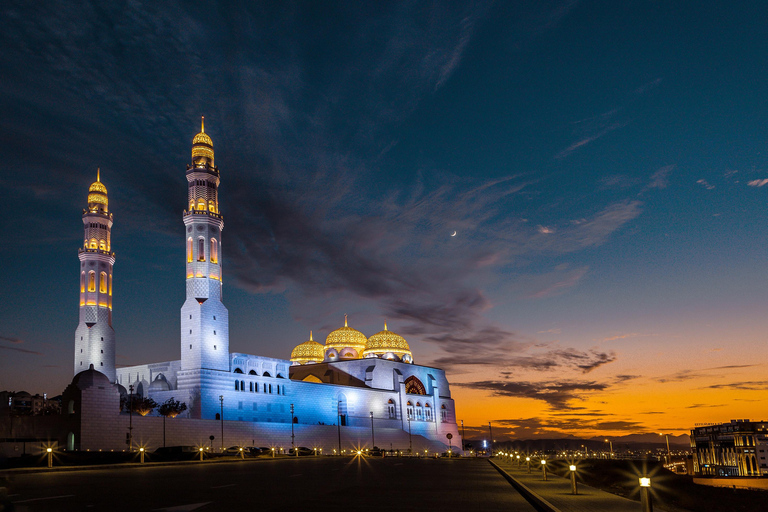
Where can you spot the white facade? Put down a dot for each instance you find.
(361, 394)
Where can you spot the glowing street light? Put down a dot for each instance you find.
(201, 454)
(518, 460)
(528, 461)
(669, 455)
(610, 443)
(242, 453)
(50, 457)
(141, 451)
(646, 502)
(544, 468)
(572, 467)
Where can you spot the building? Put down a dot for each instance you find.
(738, 448)
(352, 380)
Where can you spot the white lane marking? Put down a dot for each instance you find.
(223, 486)
(185, 508)
(47, 498)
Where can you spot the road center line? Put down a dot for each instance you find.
(48, 498)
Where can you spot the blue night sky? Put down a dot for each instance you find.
(602, 165)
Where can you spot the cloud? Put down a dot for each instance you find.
(550, 331)
(23, 350)
(660, 178)
(705, 184)
(622, 336)
(744, 386)
(558, 394)
(758, 183)
(560, 286)
(701, 406)
(12, 340)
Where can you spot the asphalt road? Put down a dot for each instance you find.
(324, 483)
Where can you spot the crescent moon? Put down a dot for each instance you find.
(454, 234)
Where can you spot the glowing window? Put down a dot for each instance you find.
(201, 249)
(94, 243)
(214, 251)
(103, 282)
(91, 281)
(82, 282)
(201, 204)
(212, 206)
(189, 249)
(102, 245)
(110, 285)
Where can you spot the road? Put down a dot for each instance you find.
(309, 483)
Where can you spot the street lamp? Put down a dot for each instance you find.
(518, 460)
(50, 457)
(373, 436)
(572, 467)
(242, 453)
(221, 400)
(669, 455)
(130, 417)
(528, 461)
(544, 468)
(646, 502)
(610, 443)
(141, 451)
(293, 444)
(201, 454)
(338, 424)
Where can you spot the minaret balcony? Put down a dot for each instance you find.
(96, 251)
(203, 212)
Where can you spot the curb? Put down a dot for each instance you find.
(534, 499)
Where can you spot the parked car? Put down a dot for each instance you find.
(303, 450)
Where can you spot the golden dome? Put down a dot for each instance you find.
(97, 193)
(308, 352)
(346, 337)
(202, 146)
(387, 341)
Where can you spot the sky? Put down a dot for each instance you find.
(601, 164)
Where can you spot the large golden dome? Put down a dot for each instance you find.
(202, 147)
(97, 194)
(386, 341)
(308, 352)
(346, 338)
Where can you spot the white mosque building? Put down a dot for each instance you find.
(351, 381)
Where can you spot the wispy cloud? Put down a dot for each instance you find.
(23, 350)
(12, 340)
(705, 184)
(758, 183)
(558, 394)
(660, 178)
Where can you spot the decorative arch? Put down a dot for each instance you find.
(103, 282)
(238, 370)
(189, 250)
(312, 378)
(413, 386)
(266, 374)
(201, 205)
(91, 281)
(201, 249)
(214, 251)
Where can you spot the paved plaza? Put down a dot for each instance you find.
(307, 483)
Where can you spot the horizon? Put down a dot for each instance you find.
(562, 205)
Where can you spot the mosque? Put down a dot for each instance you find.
(351, 381)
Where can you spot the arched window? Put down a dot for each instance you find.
(94, 243)
(214, 251)
(251, 386)
(103, 282)
(414, 386)
(212, 206)
(201, 204)
(110, 285)
(242, 385)
(391, 408)
(189, 250)
(191, 205)
(409, 410)
(102, 245)
(218, 416)
(237, 385)
(266, 374)
(238, 370)
(252, 372)
(201, 249)
(82, 282)
(91, 281)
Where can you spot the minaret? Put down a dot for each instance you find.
(204, 319)
(95, 337)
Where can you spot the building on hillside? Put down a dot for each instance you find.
(352, 381)
(738, 448)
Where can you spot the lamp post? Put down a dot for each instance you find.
(50, 457)
(130, 417)
(528, 461)
(293, 439)
(544, 468)
(201, 454)
(610, 443)
(572, 467)
(338, 423)
(669, 455)
(373, 435)
(518, 460)
(462, 435)
(141, 451)
(410, 437)
(646, 502)
(490, 431)
(221, 400)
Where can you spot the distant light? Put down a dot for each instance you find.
(528, 459)
(359, 452)
(49, 450)
(645, 482)
(572, 467)
(141, 449)
(543, 461)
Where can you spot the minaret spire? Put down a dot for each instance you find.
(98, 174)
(345, 321)
(202, 124)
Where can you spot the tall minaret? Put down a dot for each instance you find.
(204, 319)
(95, 337)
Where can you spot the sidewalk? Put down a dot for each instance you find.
(555, 493)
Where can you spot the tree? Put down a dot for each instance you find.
(139, 405)
(170, 409)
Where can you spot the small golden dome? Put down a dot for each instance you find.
(308, 352)
(97, 193)
(346, 337)
(387, 341)
(202, 146)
